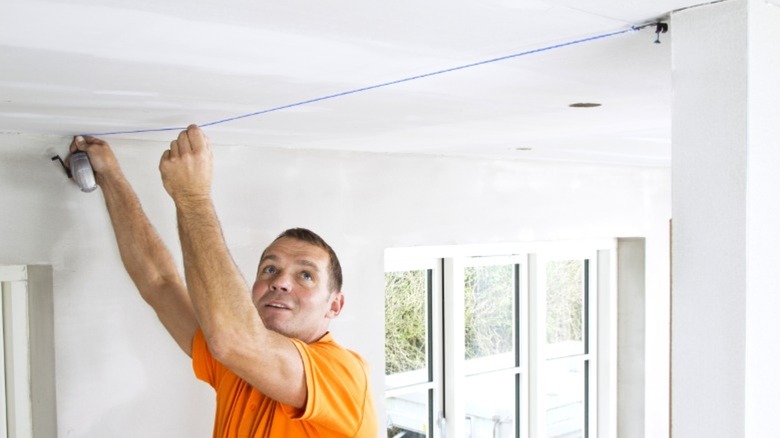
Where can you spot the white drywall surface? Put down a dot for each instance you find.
(118, 373)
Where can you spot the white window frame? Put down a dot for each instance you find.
(399, 384)
(27, 389)
(602, 333)
(537, 335)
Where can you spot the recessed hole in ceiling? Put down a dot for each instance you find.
(585, 105)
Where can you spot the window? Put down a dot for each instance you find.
(494, 342)
(411, 346)
(566, 359)
(491, 368)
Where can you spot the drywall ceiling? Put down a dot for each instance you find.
(96, 66)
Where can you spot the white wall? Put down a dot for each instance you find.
(119, 375)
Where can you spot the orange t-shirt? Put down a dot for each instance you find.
(339, 402)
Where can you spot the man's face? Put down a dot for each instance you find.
(291, 290)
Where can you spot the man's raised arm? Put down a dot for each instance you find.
(143, 253)
(231, 325)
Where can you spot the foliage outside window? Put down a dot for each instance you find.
(405, 321)
(489, 292)
(565, 279)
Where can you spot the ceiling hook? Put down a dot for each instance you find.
(67, 170)
(659, 29)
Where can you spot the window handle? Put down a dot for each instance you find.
(442, 422)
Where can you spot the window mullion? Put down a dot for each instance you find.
(606, 353)
(454, 346)
(536, 340)
(437, 360)
(523, 276)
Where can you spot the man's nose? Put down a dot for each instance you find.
(281, 283)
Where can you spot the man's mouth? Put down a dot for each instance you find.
(277, 306)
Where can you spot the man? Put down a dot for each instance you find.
(276, 370)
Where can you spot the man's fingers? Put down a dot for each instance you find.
(174, 150)
(186, 168)
(78, 144)
(190, 140)
(166, 155)
(89, 140)
(184, 142)
(197, 138)
(83, 143)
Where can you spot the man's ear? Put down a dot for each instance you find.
(336, 304)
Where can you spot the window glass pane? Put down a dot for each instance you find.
(490, 405)
(489, 313)
(409, 415)
(406, 324)
(566, 383)
(565, 307)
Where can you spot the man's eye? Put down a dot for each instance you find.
(306, 276)
(269, 270)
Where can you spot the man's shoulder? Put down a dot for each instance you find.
(328, 346)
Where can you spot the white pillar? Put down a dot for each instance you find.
(762, 349)
(726, 232)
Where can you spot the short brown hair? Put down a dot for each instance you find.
(308, 236)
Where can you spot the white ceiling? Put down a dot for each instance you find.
(90, 66)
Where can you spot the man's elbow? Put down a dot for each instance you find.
(155, 290)
(224, 345)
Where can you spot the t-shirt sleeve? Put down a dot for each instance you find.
(203, 363)
(337, 386)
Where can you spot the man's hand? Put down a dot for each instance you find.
(101, 157)
(186, 167)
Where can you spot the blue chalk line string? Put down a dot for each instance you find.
(386, 84)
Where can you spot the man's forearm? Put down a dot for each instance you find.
(148, 261)
(218, 291)
(145, 257)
